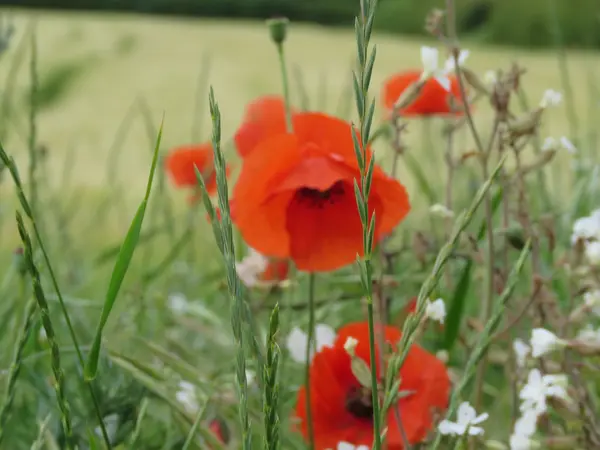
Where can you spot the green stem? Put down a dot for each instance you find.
(373, 363)
(286, 88)
(309, 347)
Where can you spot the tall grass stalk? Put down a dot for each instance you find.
(271, 389)
(366, 109)
(38, 293)
(17, 361)
(223, 231)
(485, 337)
(32, 137)
(12, 168)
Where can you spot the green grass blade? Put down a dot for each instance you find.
(459, 297)
(120, 269)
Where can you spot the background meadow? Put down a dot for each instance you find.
(103, 83)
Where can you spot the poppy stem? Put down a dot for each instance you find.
(309, 349)
(286, 88)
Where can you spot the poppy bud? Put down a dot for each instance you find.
(526, 125)
(474, 80)
(409, 95)
(278, 29)
(361, 371)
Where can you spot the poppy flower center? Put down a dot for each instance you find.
(359, 403)
(317, 198)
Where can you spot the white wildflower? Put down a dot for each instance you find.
(586, 228)
(522, 350)
(297, 341)
(521, 442)
(178, 303)
(562, 143)
(466, 419)
(524, 429)
(551, 98)
(440, 210)
(589, 336)
(592, 301)
(544, 341)
(430, 60)
(490, 77)
(436, 310)
(348, 446)
(450, 65)
(567, 145)
(186, 395)
(592, 252)
(443, 356)
(251, 267)
(539, 388)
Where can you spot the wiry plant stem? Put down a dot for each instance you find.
(309, 348)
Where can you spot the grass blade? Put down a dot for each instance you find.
(120, 269)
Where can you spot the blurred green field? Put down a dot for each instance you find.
(95, 70)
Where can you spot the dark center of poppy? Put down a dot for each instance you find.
(359, 403)
(318, 198)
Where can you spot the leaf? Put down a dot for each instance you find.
(120, 268)
(458, 301)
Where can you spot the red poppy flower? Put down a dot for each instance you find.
(433, 99)
(180, 164)
(295, 196)
(264, 117)
(341, 408)
(219, 430)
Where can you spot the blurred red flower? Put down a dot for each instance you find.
(433, 99)
(180, 164)
(219, 430)
(342, 408)
(295, 196)
(277, 270)
(264, 117)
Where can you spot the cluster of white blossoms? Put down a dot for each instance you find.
(467, 422)
(586, 230)
(538, 389)
(430, 57)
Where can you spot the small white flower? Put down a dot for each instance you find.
(466, 418)
(544, 341)
(562, 143)
(443, 356)
(526, 424)
(441, 211)
(350, 345)
(539, 388)
(297, 341)
(348, 446)
(592, 252)
(592, 301)
(450, 65)
(551, 98)
(521, 442)
(589, 336)
(586, 228)
(567, 145)
(250, 268)
(431, 68)
(521, 350)
(490, 77)
(178, 303)
(186, 395)
(436, 310)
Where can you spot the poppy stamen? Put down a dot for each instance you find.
(359, 403)
(317, 198)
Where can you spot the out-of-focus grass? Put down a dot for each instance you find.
(159, 60)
